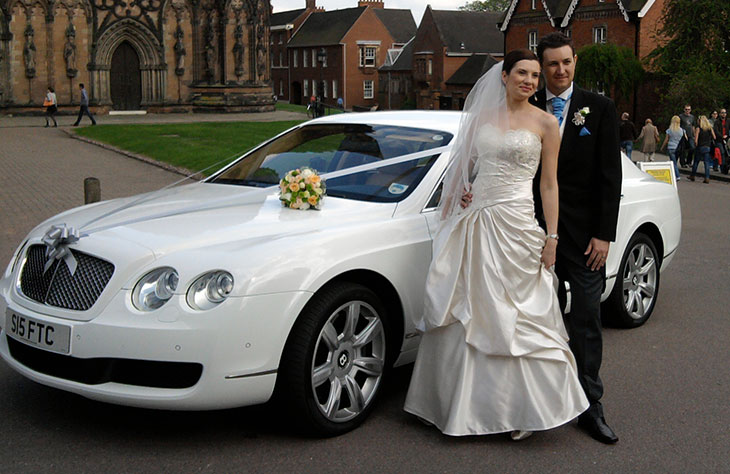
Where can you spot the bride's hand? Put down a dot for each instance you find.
(548, 253)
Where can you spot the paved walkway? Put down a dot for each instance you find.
(43, 169)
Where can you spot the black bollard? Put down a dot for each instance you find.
(92, 190)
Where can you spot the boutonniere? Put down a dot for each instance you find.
(579, 118)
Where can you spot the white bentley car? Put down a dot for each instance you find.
(213, 295)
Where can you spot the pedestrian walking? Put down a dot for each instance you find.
(704, 136)
(649, 138)
(722, 134)
(84, 106)
(689, 124)
(51, 106)
(671, 142)
(627, 134)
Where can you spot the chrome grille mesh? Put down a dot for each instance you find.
(57, 287)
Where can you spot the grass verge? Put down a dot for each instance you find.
(194, 146)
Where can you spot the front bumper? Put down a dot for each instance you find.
(237, 345)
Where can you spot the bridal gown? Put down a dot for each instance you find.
(494, 356)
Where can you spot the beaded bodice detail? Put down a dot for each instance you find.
(503, 159)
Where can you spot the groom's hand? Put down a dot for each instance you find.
(597, 252)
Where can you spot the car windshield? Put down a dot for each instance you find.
(334, 147)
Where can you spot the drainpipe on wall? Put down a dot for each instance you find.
(344, 77)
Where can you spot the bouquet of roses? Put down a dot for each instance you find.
(302, 189)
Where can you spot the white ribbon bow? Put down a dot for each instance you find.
(57, 240)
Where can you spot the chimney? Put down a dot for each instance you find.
(371, 3)
(311, 4)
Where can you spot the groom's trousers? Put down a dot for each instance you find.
(583, 323)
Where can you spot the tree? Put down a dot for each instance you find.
(693, 56)
(695, 34)
(612, 68)
(705, 90)
(486, 6)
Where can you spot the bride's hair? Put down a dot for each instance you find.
(515, 56)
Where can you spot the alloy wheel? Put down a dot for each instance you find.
(348, 361)
(640, 280)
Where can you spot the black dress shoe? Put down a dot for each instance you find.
(598, 429)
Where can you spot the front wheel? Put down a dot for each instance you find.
(636, 289)
(335, 360)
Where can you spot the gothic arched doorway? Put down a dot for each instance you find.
(125, 78)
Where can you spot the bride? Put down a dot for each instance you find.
(494, 355)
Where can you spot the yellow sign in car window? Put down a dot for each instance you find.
(660, 170)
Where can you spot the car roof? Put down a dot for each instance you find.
(447, 121)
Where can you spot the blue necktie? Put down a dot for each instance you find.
(558, 106)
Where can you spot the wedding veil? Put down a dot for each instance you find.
(485, 106)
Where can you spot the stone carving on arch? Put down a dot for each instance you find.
(68, 8)
(151, 60)
(28, 6)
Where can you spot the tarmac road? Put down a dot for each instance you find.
(667, 382)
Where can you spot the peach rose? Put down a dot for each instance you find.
(294, 187)
(312, 200)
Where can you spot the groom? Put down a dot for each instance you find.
(589, 179)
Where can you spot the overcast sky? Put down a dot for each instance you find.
(415, 6)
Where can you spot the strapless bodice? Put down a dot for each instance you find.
(506, 165)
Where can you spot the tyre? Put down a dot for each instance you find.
(335, 360)
(635, 292)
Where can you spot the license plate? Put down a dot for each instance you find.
(49, 336)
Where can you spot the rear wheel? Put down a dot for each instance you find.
(637, 285)
(335, 360)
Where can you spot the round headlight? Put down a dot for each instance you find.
(155, 289)
(210, 290)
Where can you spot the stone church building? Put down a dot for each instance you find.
(156, 55)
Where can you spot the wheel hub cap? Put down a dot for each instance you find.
(348, 361)
(343, 360)
(640, 280)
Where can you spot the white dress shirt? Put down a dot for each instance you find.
(567, 95)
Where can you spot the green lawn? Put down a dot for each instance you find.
(194, 146)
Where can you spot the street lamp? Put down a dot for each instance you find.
(322, 60)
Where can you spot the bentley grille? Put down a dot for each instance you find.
(57, 287)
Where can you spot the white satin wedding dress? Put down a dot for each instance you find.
(494, 356)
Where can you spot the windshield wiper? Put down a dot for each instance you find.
(244, 182)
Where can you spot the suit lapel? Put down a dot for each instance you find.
(570, 132)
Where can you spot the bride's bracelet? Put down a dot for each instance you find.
(552, 236)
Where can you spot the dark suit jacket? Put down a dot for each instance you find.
(718, 127)
(589, 171)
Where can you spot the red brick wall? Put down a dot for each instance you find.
(333, 71)
(516, 36)
(648, 28)
(369, 28)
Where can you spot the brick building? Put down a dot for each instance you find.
(444, 43)
(336, 54)
(395, 79)
(283, 26)
(156, 55)
(630, 23)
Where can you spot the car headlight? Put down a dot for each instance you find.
(17, 257)
(155, 289)
(210, 290)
